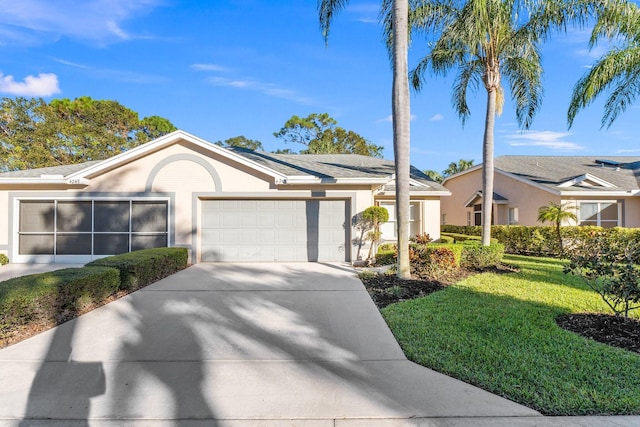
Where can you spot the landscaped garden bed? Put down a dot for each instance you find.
(498, 330)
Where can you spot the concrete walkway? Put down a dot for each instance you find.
(239, 345)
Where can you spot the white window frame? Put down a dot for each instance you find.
(512, 219)
(392, 219)
(599, 220)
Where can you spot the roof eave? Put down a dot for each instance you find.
(168, 139)
(428, 193)
(628, 193)
(41, 181)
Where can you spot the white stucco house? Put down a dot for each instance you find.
(221, 204)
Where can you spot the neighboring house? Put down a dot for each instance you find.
(603, 190)
(221, 204)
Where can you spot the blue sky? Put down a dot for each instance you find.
(220, 69)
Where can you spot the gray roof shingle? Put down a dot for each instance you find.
(623, 172)
(64, 170)
(334, 166)
(323, 166)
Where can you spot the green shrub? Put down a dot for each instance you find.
(470, 230)
(481, 257)
(446, 239)
(422, 238)
(608, 264)
(536, 240)
(55, 296)
(4, 259)
(141, 268)
(388, 247)
(431, 262)
(386, 256)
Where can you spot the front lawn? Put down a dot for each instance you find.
(499, 332)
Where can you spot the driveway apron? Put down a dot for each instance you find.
(229, 343)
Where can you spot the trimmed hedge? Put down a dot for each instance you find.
(55, 296)
(4, 259)
(538, 240)
(479, 257)
(141, 268)
(446, 239)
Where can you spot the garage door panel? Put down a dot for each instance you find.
(273, 230)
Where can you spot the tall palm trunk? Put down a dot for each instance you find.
(487, 166)
(401, 131)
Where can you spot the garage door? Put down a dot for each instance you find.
(274, 230)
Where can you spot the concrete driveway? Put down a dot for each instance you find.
(297, 344)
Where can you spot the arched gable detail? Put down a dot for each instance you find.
(184, 157)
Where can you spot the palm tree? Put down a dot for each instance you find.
(455, 168)
(618, 69)
(488, 41)
(400, 110)
(557, 213)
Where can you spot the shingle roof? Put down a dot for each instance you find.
(64, 170)
(323, 166)
(570, 172)
(334, 166)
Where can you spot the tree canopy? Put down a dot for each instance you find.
(242, 142)
(34, 134)
(321, 134)
(489, 42)
(452, 169)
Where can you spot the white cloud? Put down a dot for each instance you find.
(437, 118)
(207, 67)
(627, 151)
(69, 63)
(546, 139)
(97, 21)
(366, 13)
(45, 84)
(270, 89)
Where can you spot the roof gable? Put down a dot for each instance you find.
(165, 141)
(587, 180)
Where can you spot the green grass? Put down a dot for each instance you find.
(498, 332)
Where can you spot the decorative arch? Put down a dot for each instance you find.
(188, 157)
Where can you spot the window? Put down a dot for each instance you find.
(468, 217)
(444, 219)
(91, 227)
(513, 216)
(389, 231)
(477, 214)
(603, 214)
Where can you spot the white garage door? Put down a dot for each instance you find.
(274, 230)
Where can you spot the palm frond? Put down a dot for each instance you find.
(327, 9)
(469, 77)
(618, 68)
(525, 82)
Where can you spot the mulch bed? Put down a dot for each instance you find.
(608, 329)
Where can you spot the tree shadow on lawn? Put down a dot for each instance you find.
(514, 348)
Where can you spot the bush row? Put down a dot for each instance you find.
(60, 295)
(434, 261)
(141, 268)
(539, 240)
(56, 296)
